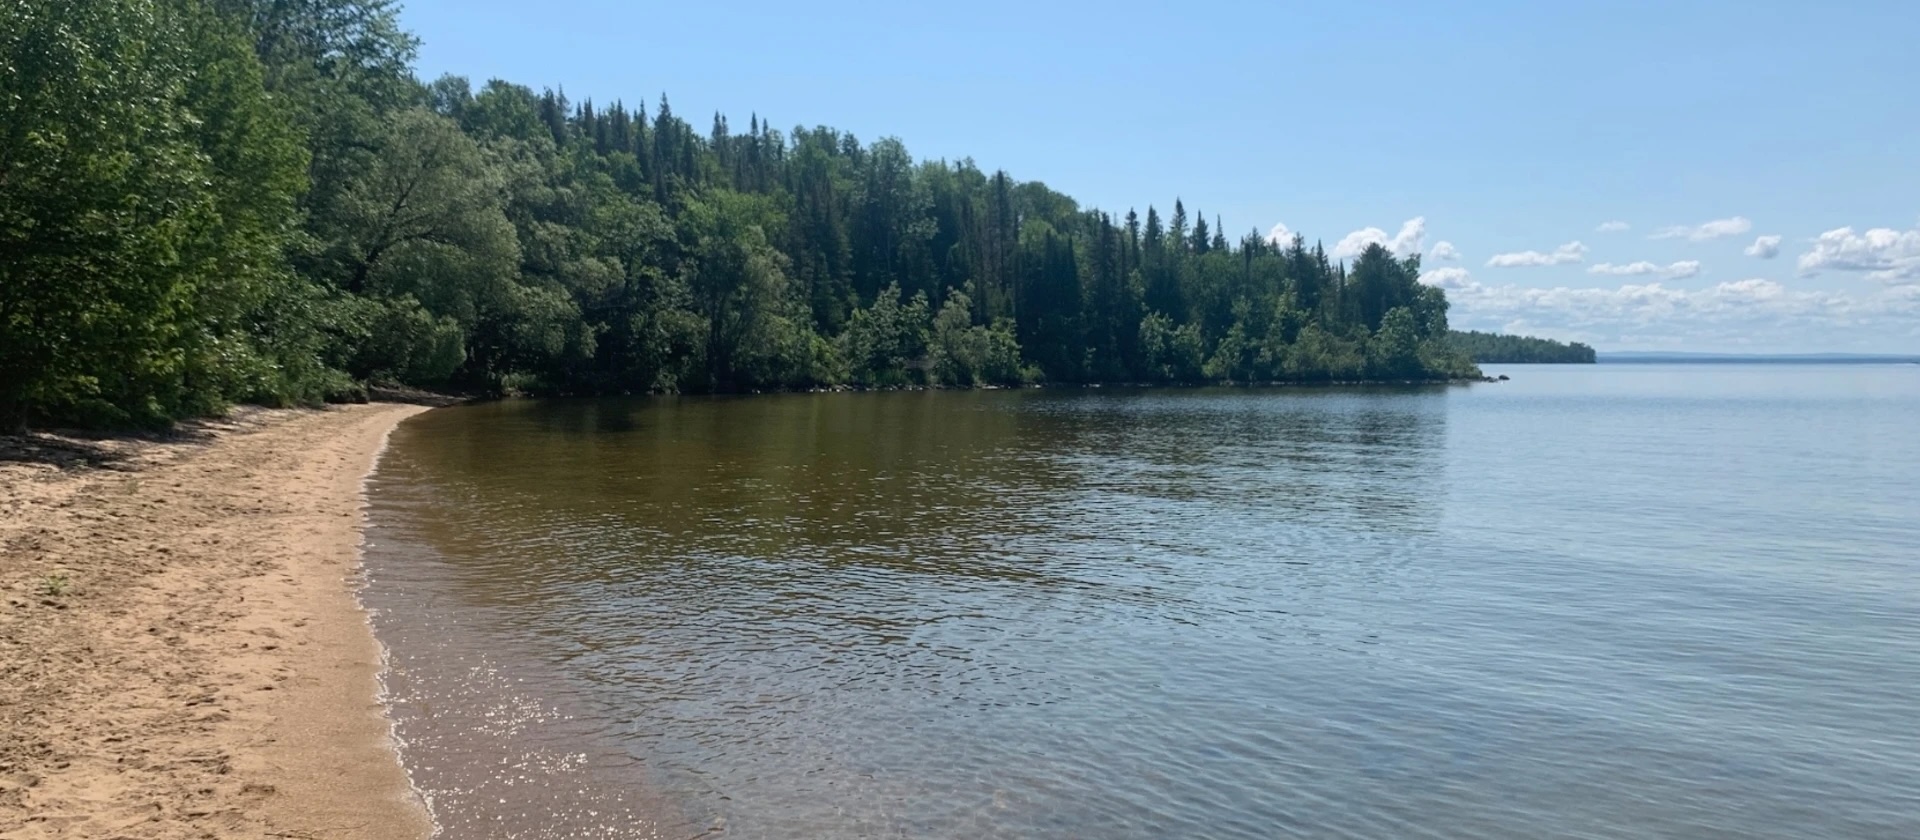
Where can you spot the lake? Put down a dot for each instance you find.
(1595, 601)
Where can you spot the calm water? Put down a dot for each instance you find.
(1612, 601)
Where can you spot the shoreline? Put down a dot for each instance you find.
(183, 652)
(1275, 384)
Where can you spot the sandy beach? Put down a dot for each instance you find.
(181, 651)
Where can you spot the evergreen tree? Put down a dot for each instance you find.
(204, 201)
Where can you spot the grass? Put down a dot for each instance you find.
(55, 585)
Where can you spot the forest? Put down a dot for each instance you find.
(1495, 348)
(205, 202)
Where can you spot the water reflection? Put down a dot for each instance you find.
(929, 483)
(910, 610)
(1149, 614)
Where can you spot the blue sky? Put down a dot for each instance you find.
(1508, 130)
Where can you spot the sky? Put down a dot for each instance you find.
(1680, 175)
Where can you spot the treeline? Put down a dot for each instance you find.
(206, 201)
(1494, 348)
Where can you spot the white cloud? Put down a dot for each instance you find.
(1451, 277)
(1766, 247)
(1716, 229)
(1571, 252)
(1444, 250)
(1753, 289)
(1355, 243)
(1672, 271)
(1281, 234)
(1883, 253)
(1405, 243)
(1643, 301)
(1755, 313)
(1613, 227)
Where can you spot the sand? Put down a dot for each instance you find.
(181, 651)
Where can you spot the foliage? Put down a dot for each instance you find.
(884, 343)
(147, 188)
(1494, 348)
(204, 201)
(55, 585)
(965, 354)
(1174, 354)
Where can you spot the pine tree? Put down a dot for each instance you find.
(1178, 231)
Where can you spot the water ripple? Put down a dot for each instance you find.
(1589, 603)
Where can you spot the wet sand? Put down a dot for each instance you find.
(181, 651)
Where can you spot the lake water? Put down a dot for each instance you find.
(1595, 601)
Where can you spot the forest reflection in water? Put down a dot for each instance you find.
(936, 483)
(1552, 608)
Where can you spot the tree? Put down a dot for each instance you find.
(965, 354)
(213, 200)
(1174, 354)
(1381, 283)
(145, 194)
(1178, 231)
(884, 344)
(1394, 350)
(739, 286)
(1493, 348)
(430, 203)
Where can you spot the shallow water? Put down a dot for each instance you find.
(1596, 601)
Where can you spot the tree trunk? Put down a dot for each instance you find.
(13, 414)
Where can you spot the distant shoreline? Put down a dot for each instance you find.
(1037, 386)
(1644, 358)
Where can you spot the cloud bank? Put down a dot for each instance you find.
(1450, 277)
(1645, 312)
(1613, 227)
(1716, 229)
(1755, 313)
(1571, 252)
(1406, 243)
(1672, 271)
(1882, 254)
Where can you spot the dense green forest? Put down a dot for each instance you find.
(208, 201)
(1494, 348)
